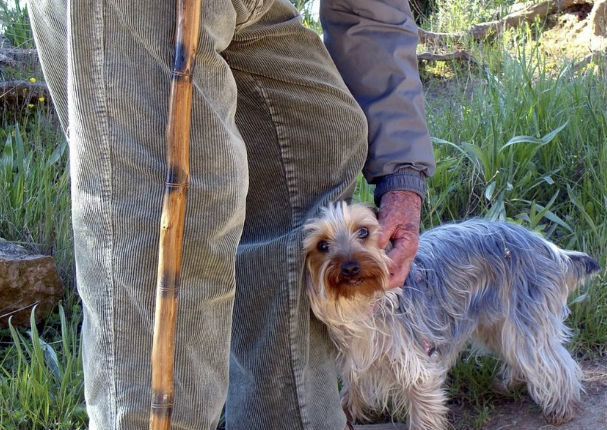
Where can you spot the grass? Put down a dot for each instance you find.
(14, 24)
(35, 197)
(518, 139)
(458, 15)
(41, 383)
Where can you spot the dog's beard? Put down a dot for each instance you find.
(371, 280)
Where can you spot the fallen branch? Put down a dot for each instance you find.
(429, 37)
(539, 10)
(496, 27)
(455, 55)
(14, 57)
(593, 57)
(20, 55)
(13, 92)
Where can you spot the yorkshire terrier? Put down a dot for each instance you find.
(493, 283)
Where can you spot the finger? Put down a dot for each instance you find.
(398, 278)
(398, 210)
(398, 254)
(401, 257)
(405, 245)
(388, 225)
(385, 233)
(388, 222)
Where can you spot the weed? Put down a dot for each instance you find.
(14, 24)
(41, 384)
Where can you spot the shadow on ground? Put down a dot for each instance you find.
(523, 414)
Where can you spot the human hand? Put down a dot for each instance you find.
(399, 218)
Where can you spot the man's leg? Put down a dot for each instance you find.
(306, 141)
(108, 64)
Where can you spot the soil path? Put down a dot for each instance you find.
(523, 414)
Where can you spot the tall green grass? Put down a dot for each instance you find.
(34, 187)
(41, 385)
(41, 377)
(14, 24)
(528, 145)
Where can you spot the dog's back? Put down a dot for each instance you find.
(504, 242)
(474, 272)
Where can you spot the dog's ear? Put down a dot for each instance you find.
(369, 206)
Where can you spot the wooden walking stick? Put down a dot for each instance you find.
(173, 213)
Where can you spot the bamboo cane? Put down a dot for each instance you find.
(173, 213)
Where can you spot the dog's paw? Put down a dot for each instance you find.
(557, 419)
(506, 386)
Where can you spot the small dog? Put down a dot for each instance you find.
(494, 283)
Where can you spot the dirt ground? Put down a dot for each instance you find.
(575, 33)
(523, 414)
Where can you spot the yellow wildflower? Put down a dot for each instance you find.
(41, 99)
(30, 105)
(32, 80)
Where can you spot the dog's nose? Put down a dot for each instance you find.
(350, 269)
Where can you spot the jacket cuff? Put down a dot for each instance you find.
(402, 180)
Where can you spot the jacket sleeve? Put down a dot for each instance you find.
(373, 44)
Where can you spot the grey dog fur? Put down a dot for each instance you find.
(492, 283)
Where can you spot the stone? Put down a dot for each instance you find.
(598, 17)
(26, 279)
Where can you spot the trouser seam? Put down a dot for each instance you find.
(106, 193)
(296, 365)
(252, 15)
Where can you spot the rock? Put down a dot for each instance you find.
(26, 279)
(598, 17)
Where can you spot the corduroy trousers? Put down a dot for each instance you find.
(275, 135)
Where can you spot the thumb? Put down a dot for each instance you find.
(385, 233)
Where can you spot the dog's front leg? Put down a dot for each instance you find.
(426, 405)
(352, 402)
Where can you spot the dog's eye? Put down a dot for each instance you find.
(363, 233)
(323, 246)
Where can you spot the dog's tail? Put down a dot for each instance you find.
(581, 267)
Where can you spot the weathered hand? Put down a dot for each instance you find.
(399, 217)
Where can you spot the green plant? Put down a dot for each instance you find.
(41, 384)
(457, 15)
(34, 189)
(309, 16)
(14, 24)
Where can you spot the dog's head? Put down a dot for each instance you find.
(343, 259)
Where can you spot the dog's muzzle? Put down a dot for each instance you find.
(350, 272)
